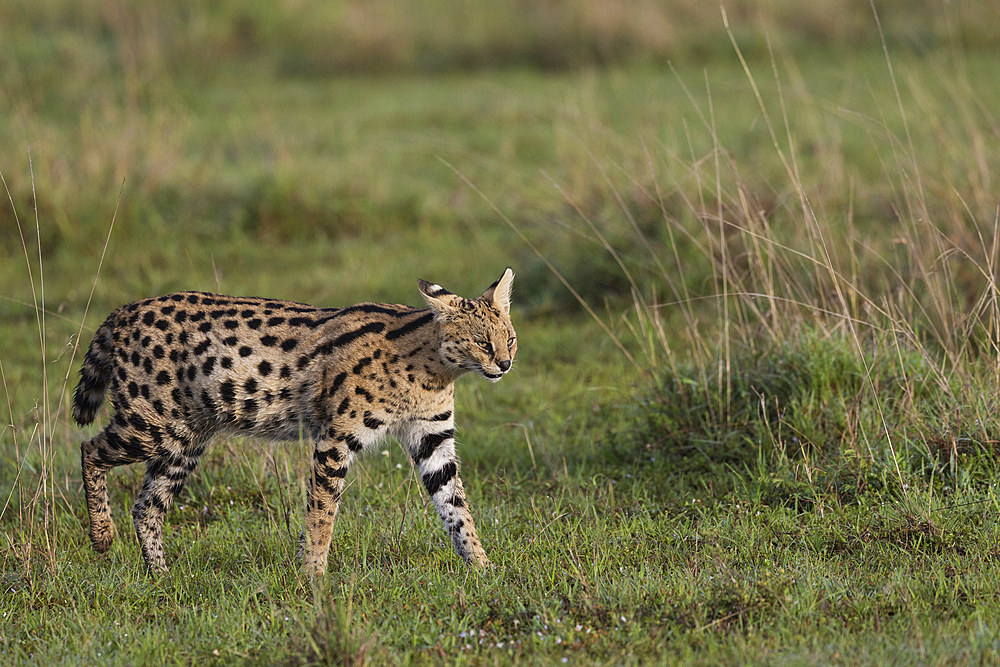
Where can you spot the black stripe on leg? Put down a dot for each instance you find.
(154, 501)
(435, 480)
(322, 456)
(336, 472)
(328, 480)
(430, 443)
(122, 450)
(353, 443)
(372, 422)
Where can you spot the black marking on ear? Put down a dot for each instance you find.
(437, 291)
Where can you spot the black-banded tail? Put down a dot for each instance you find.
(95, 376)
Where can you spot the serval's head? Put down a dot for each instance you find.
(476, 334)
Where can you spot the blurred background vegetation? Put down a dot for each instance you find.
(313, 120)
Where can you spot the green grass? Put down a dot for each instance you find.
(777, 446)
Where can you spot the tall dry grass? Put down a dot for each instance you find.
(790, 257)
(37, 532)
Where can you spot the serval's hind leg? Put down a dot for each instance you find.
(331, 461)
(165, 477)
(114, 446)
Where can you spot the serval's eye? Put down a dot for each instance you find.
(486, 347)
(510, 342)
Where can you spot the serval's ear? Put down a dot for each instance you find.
(442, 302)
(499, 292)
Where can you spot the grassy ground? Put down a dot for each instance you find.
(778, 444)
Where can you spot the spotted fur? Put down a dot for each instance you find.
(185, 367)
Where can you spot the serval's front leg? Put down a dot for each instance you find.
(431, 443)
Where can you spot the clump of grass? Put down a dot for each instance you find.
(814, 423)
(333, 635)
